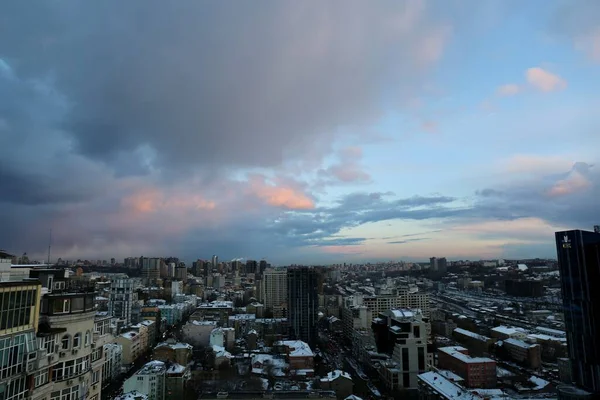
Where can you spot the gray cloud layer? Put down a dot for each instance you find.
(103, 100)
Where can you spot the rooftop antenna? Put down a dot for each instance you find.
(49, 246)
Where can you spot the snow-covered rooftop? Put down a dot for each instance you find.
(458, 353)
(446, 388)
(296, 348)
(471, 334)
(333, 375)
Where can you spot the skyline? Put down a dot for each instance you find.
(369, 131)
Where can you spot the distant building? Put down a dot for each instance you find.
(273, 291)
(151, 270)
(524, 287)
(180, 353)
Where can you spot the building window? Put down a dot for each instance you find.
(41, 378)
(66, 394)
(87, 338)
(61, 306)
(16, 306)
(95, 377)
(68, 369)
(421, 357)
(77, 340)
(48, 343)
(14, 389)
(66, 342)
(12, 353)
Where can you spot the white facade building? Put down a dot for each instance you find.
(149, 380)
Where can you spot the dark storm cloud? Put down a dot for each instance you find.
(197, 81)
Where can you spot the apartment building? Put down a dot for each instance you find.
(149, 380)
(402, 334)
(529, 354)
(478, 372)
(273, 291)
(65, 330)
(21, 355)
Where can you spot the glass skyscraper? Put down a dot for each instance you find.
(579, 262)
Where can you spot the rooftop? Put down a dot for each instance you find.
(151, 368)
(134, 395)
(518, 343)
(455, 351)
(471, 334)
(296, 348)
(333, 375)
(446, 388)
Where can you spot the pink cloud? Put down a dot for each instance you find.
(589, 44)
(574, 183)
(536, 164)
(280, 195)
(348, 169)
(429, 126)
(543, 80)
(509, 89)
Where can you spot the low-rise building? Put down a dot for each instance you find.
(529, 354)
(177, 352)
(113, 360)
(299, 355)
(131, 345)
(338, 381)
(149, 380)
(477, 344)
(477, 372)
(197, 333)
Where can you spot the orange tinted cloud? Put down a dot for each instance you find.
(544, 80)
(283, 195)
(574, 183)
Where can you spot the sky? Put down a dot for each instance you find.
(300, 132)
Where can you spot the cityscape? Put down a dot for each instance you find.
(153, 328)
(296, 199)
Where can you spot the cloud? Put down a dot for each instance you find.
(544, 81)
(349, 169)
(589, 43)
(535, 164)
(285, 196)
(283, 76)
(509, 89)
(429, 126)
(407, 241)
(576, 181)
(577, 21)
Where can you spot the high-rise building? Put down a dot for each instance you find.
(215, 261)
(402, 334)
(19, 314)
(72, 365)
(579, 263)
(303, 302)
(251, 267)
(121, 299)
(433, 264)
(151, 270)
(273, 291)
